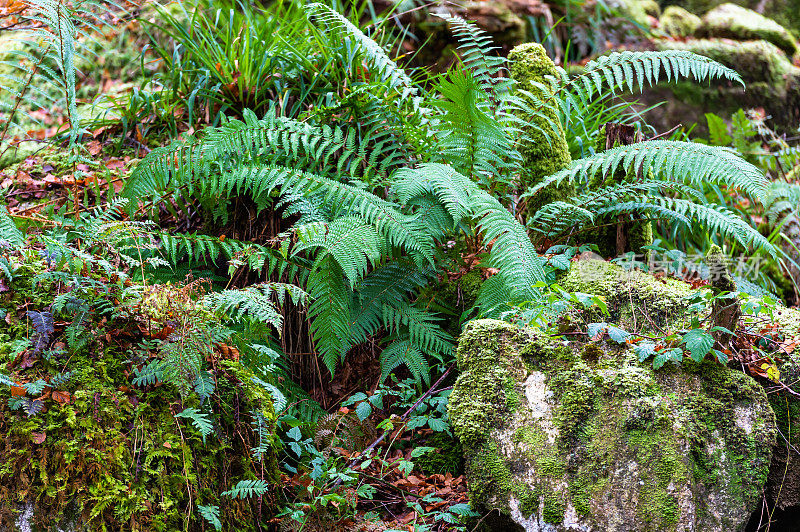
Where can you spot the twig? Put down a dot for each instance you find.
(664, 134)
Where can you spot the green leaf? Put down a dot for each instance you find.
(211, 514)
(699, 342)
(199, 419)
(617, 334)
(416, 452)
(363, 410)
(717, 131)
(645, 350)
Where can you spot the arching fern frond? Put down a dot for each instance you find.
(383, 64)
(688, 162)
(9, 231)
(511, 249)
(477, 53)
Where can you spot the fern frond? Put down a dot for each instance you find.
(477, 54)
(405, 352)
(255, 303)
(247, 488)
(9, 231)
(473, 141)
(200, 420)
(330, 311)
(688, 162)
(511, 249)
(383, 64)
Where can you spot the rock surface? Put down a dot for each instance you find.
(569, 436)
(736, 22)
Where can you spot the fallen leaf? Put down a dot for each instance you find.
(62, 397)
(38, 437)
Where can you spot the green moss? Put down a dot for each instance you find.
(629, 295)
(755, 61)
(678, 22)
(528, 499)
(580, 494)
(735, 22)
(546, 151)
(488, 474)
(448, 457)
(108, 454)
(554, 508)
(479, 396)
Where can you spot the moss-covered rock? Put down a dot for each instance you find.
(86, 448)
(634, 298)
(736, 22)
(604, 443)
(546, 151)
(772, 83)
(784, 12)
(678, 22)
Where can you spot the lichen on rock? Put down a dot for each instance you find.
(606, 444)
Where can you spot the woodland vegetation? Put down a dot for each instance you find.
(240, 242)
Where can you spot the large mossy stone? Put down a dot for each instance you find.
(678, 22)
(564, 436)
(772, 82)
(545, 150)
(736, 22)
(784, 12)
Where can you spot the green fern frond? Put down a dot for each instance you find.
(472, 140)
(354, 245)
(688, 162)
(422, 328)
(9, 230)
(200, 420)
(255, 303)
(511, 249)
(477, 53)
(245, 489)
(404, 352)
(330, 311)
(383, 64)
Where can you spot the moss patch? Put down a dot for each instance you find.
(543, 154)
(735, 22)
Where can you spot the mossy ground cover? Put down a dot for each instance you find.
(86, 445)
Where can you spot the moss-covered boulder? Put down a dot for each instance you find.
(677, 22)
(772, 83)
(564, 436)
(784, 12)
(545, 151)
(88, 446)
(634, 299)
(736, 22)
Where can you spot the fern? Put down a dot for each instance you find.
(199, 419)
(9, 231)
(477, 54)
(245, 489)
(46, 60)
(386, 68)
(211, 514)
(256, 303)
